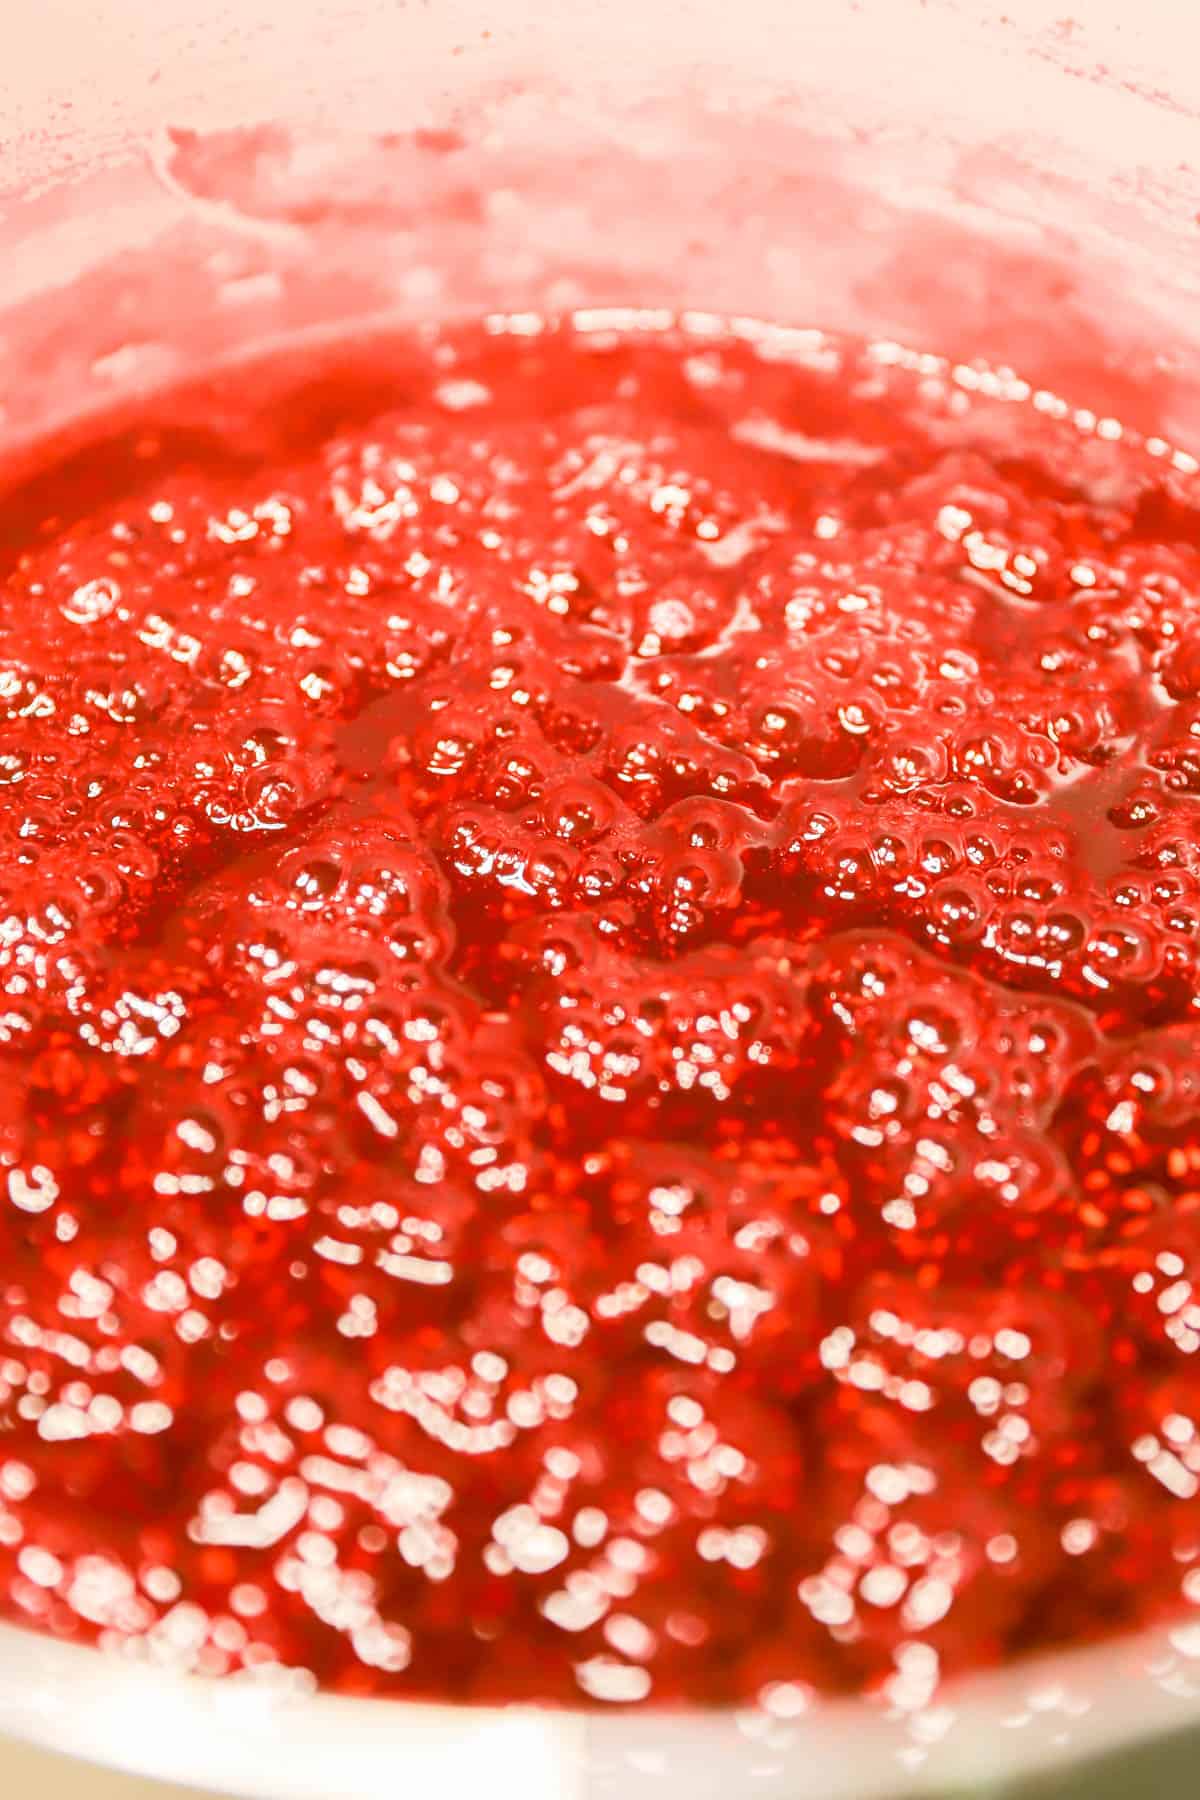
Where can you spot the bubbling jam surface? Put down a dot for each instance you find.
(600, 1021)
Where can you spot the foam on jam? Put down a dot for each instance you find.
(600, 1024)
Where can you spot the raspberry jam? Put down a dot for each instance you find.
(600, 1024)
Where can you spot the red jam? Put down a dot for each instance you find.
(600, 1023)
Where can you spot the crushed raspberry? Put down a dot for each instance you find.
(600, 1026)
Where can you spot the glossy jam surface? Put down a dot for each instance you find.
(600, 1027)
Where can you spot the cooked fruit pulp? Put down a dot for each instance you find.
(601, 1095)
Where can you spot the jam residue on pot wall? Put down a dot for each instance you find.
(601, 1066)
